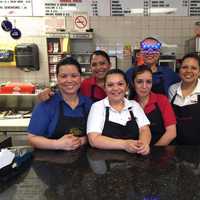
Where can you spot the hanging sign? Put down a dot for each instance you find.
(6, 25)
(81, 21)
(15, 33)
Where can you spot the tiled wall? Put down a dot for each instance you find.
(110, 32)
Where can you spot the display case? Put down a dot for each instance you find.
(57, 47)
(78, 45)
(81, 47)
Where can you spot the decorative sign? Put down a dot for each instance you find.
(15, 33)
(15, 8)
(81, 21)
(55, 24)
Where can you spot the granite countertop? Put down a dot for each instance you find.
(168, 173)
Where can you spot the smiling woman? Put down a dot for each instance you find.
(185, 98)
(117, 123)
(60, 122)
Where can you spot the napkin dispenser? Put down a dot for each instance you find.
(27, 56)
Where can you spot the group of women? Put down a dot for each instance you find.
(113, 121)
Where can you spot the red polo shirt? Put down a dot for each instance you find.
(164, 106)
(86, 88)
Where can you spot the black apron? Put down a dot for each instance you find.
(66, 123)
(158, 85)
(118, 131)
(188, 123)
(157, 124)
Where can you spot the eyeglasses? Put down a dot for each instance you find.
(146, 47)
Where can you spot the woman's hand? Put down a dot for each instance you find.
(131, 146)
(136, 146)
(45, 94)
(68, 142)
(143, 148)
(84, 140)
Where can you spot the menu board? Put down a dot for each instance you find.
(16, 8)
(99, 7)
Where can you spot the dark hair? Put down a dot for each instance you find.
(191, 55)
(116, 71)
(100, 53)
(140, 70)
(68, 61)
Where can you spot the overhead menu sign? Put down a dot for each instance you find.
(16, 8)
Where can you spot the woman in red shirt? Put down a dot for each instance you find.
(156, 107)
(92, 87)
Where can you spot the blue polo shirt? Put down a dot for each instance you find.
(166, 73)
(45, 115)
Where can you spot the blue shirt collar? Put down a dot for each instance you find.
(58, 96)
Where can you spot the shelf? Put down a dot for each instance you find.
(53, 63)
(58, 53)
(79, 53)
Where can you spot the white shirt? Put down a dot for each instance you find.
(180, 100)
(96, 118)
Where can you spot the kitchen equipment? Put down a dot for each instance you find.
(10, 88)
(27, 56)
(193, 45)
(17, 103)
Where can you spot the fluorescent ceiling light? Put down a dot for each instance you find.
(153, 10)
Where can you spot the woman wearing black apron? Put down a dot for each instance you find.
(60, 122)
(185, 98)
(156, 107)
(92, 87)
(117, 123)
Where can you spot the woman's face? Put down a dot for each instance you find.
(68, 79)
(189, 70)
(115, 87)
(99, 66)
(143, 84)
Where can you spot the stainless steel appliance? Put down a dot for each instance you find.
(17, 102)
(193, 45)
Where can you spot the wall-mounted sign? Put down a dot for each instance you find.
(55, 24)
(80, 21)
(99, 7)
(16, 8)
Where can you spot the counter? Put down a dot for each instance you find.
(168, 173)
(14, 125)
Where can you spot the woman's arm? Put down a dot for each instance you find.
(168, 136)
(67, 142)
(103, 142)
(144, 140)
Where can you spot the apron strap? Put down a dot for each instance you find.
(131, 113)
(173, 98)
(107, 114)
(198, 97)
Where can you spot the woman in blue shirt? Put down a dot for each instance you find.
(60, 122)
